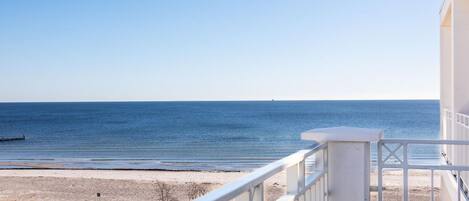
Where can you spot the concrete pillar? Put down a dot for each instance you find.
(460, 54)
(348, 160)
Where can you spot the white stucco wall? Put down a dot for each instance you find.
(460, 53)
(454, 75)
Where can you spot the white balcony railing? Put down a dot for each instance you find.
(301, 185)
(397, 157)
(459, 156)
(345, 153)
(339, 146)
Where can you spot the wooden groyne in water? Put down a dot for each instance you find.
(14, 138)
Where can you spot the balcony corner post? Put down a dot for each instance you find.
(348, 156)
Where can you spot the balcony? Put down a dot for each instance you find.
(339, 167)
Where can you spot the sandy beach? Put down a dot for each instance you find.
(116, 185)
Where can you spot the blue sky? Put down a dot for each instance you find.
(218, 50)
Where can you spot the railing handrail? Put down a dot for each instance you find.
(234, 189)
(425, 141)
(430, 167)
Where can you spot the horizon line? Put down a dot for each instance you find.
(223, 100)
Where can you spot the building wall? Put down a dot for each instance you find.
(454, 83)
(460, 54)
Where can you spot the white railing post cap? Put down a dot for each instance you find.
(343, 134)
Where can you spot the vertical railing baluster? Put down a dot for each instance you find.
(302, 172)
(302, 177)
(326, 175)
(466, 128)
(321, 189)
(457, 133)
(380, 171)
(313, 192)
(432, 188)
(464, 147)
(405, 194)
(296, 178)
(301, 198)
(324, 189)
(292, 179)
(308, 195)
(258, 194)
(458, 177)
(318, 189)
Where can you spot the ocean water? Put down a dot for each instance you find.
(195, 135)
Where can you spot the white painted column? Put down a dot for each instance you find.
(460, 54)
(348, 160)
(460, 50)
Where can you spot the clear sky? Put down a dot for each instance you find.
(218, 50)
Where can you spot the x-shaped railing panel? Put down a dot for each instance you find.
(392, 153)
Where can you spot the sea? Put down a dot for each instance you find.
(205, 135)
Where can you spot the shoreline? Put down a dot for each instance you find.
(129, 169)
(59, 166)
